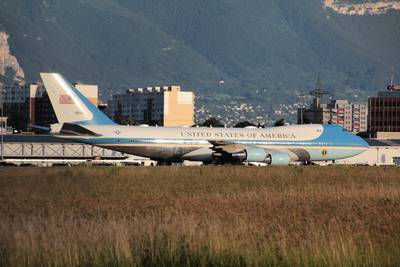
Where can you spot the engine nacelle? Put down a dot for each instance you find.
(279, 158)
(255, 154)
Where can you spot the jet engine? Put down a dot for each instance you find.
(254, 154)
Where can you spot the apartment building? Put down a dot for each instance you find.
(351, 116)
(384, 115)
(163, 106)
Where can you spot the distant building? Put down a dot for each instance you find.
(351, 116)
(164, 106)
(90, 91)
(27, 105)
(15, 101)
(384, 112)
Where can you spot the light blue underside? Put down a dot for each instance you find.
(332, 142)
(331, 151)
(318, 154)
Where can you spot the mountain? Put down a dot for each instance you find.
(279, 46)
(362, 7)
(10, 70)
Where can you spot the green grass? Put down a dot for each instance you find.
(200, 216)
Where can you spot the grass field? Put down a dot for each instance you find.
(200, 216)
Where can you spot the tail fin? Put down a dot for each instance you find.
(69, 104)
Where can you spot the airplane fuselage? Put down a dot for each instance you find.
(301, 142)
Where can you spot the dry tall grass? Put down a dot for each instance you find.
(206, 216)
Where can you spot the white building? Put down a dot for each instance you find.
(380, 153)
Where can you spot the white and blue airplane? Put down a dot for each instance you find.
(81, 121)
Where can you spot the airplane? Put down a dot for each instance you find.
(81, 121)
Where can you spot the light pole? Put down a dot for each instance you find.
(3, 125)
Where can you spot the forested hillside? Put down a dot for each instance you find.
(277, 45)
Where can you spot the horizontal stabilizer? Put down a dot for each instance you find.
(41, 128)
(75, 129)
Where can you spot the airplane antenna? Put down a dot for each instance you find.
(318, 93)
(392, 76)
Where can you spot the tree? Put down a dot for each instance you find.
(364, 134)
(153, 123)
(214, 122)
(243, 124)
(10, 72)
(124, 120)
(280, 122)
(9, 76)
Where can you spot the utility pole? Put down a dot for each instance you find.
(318, 93)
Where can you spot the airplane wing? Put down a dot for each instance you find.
(231, 147)
(225, 147)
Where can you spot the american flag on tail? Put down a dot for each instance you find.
(65, 100)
